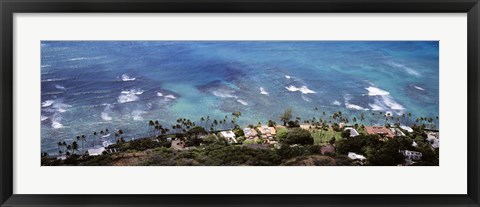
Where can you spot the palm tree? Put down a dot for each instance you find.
(202, 120)
(362, 117)
(93, 138)
(74, 147)
(409, 117)
(58, 148)
(373, 116)
(69, 147)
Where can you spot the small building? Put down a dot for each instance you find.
(407, 128)
(267, 132)
(249, 133)
(379, 130)
(411, 155)
(62, 157)
(433, 138)
(96, 152)
(397, 132)
(355, 156)
(229, 136)
(353, 132)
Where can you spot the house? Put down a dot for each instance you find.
(96, 152)
(406, 128)
(355, 156)
(379, 130)
(229, 136)
(397, 132)
(411, 156)
(249, 133)
(178, 144)
(353, 132)
(267, 132)
(433, 138)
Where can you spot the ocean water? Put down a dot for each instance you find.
(89, 86)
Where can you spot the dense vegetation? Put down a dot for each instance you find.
(293, 145)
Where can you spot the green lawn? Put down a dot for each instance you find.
(325, 136)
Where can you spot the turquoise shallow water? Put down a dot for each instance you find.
(89, 86)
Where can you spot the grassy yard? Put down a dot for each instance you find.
(325, 136)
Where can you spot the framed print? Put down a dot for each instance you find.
(264, 103)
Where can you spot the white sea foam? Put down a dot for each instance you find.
(59, 87)
(45, 66)
(85, 58)
(125, 77)
(349, 105)
(224, 94)
(337, 103)
(262, 91)
(137, 115)
(105, 113)
(47, 103)
(60, 107)
(56, 121)
(353, 106)
(133, 91)
(372, 91)
(170, 97)
(43, 118)
(386, 103)
(407, 69)
(392, 104)
(418, 87)
(129, 96)
(242, 102)
(53, 79)
(306, 98)
(287, 77)
(106, 117)
(302, 89)
(107, 135)
(159, 94)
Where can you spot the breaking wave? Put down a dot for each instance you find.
(129, 96)
(242, 102)
(372, 91)
(47, 103)
(125, 77)
(302, 89)
(262, 91)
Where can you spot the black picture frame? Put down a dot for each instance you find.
(10, 7)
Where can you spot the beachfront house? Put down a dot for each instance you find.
(96, 152)
(411, 156)
(353, 132)
(249, 133)
(355, 156)
(267, 132)
(379, 130)
(229, 136)
(397, 132)
(433, 138)
(407, 129)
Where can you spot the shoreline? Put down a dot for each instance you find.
(322, 134)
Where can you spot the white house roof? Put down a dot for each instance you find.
(96, 152)
(228, 134)
(355, 156)
(406, 128)
(353, 132)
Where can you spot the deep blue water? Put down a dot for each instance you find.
(93, 85)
